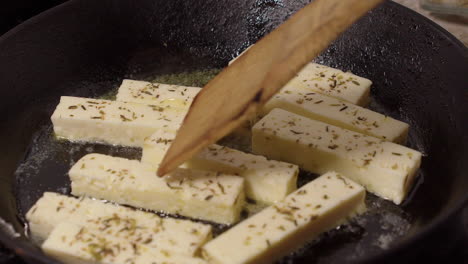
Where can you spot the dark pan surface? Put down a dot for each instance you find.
(85, 48)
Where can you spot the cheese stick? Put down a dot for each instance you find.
(266, 181)
(175, 97)
(81, 244)
(329, 81)
(156, 146)
(285, 226)
(333, 82)
(204, 195)
(338, 113)
(157, 93)
(384, 168)
(179, 236)
(119, 123)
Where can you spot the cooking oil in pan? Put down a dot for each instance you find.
(195, 78)
(48, 160)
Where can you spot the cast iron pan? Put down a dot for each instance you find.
(86, 47)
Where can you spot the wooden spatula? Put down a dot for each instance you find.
(235, 94)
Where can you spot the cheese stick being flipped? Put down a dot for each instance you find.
(285, 226)
(384, 168)
(266, 181)
(204, 195)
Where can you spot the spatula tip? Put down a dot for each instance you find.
(161, 172)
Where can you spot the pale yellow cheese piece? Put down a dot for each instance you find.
(160, 94)
(112, 122)
(182, 237)
(266, 181)
(156, 146)
(168, 96)
(204, 195)
(285, 226)
(80, 244)
(330, 81)
(384, 168)
(333, 82)
(337, 112)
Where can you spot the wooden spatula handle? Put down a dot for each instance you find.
(235, 94)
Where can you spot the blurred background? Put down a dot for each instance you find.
(450, 14)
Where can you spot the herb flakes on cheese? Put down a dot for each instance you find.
(384, 168)
(285, 226)
(330, 81)
(183, 237)
(337, 112)
(266, 181)
(198, 194)
(333, 82)
(112, 122)
(159, 94)
(73, 243)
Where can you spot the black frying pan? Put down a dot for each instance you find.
(85, 48)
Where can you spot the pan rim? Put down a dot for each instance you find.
(35, 19)
(462, 203)
(21, 246)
